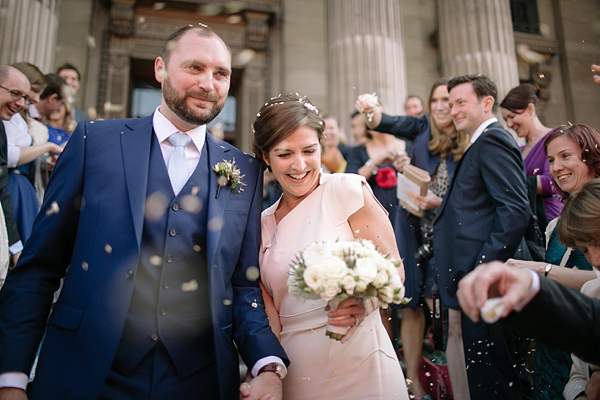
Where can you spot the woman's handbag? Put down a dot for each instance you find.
(434, 378)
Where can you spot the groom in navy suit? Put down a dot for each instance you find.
(159, 256)
(483, 218)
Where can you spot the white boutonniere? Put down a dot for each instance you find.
(229, 175)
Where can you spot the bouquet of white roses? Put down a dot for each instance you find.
(335, 270)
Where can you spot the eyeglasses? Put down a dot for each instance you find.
(16, 95)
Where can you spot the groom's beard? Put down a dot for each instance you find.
(195, 116)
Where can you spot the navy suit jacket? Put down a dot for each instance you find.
(407, 226)
(96, 196)
(485, 213)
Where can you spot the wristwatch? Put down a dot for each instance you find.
(547, 269)
(274, 367)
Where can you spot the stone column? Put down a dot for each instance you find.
(476, 36)
(28, 32)
(114, 96)
(252, 61)
(365, 54)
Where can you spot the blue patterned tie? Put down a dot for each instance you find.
(178, 165)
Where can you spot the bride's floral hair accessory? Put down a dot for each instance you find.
(281, 116)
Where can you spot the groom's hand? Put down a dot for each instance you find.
(8, 393)
(266, 386)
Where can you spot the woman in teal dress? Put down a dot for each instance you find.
(574, 155)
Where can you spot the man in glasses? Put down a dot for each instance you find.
(14, 87)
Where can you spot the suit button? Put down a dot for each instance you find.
(154, 337)
(175, 207)
(165, 284)
(169, 258)
(172, 232)
(128, 274)
(162, 311)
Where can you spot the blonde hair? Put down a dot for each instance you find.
(440, 143)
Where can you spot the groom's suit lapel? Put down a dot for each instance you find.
(216, 205)
(135, 146)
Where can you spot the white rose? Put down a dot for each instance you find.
(333, 268)
(396, 282)
(349, 283)
(331, 290)
(381, 279)
(312, 278)
(386, 294)
(401, 293)
(365, 270)
(361, 286)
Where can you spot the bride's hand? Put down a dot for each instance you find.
(350, 312)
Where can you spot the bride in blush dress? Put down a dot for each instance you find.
(313, 207)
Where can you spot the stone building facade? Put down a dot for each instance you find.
(329, 50)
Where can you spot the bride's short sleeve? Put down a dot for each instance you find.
(344, 195)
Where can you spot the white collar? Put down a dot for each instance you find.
(481, 128)
(165, 128)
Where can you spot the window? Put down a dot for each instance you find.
(525, 16)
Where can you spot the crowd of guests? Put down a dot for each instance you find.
(38, 123)
(511, 190)
(479, 207)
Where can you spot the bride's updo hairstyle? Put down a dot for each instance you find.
(279, 118)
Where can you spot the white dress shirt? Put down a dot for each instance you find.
(163, 128)
(481, 128)
(17, 136)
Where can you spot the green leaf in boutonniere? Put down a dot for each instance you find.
(229, 175)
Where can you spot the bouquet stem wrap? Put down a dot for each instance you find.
(335, 331)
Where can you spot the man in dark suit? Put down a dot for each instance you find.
(547, 311)
(159, 255)
(482, 218)
(14, 96)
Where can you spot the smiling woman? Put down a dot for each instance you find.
(314, 207)
(520, 110)
(574, 158)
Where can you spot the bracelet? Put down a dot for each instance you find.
(370, 117)
(370, 164)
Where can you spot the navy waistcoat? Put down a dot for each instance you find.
(170, 300)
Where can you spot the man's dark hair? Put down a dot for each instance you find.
(54, 85)
(482, 85)
(200, 29)
(68, 65)
(354, 114)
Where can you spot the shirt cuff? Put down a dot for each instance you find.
(533, 290)
(267, 360)
(16, 380)
(17, 247)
